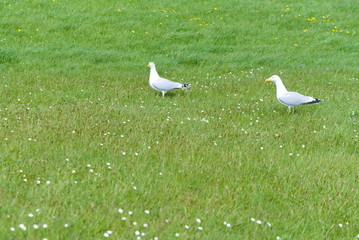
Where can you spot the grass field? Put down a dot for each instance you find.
(90, 151)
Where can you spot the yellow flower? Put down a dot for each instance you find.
(133, 31)
(305, 30)
(312, 19)
(347, 32)
(36, 29)
(164, 11)
(295, 45)
(215, 9)
(19, 30)
(167, 16)
(119, 10)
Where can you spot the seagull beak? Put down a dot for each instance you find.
(267, 80)
(148, 65)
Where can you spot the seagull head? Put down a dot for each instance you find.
(151, 65)
(274, 78)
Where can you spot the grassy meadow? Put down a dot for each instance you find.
(89, 151)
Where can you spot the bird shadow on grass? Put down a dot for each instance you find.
(169, 95)
(297, 110)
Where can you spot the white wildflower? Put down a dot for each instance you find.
(22, 226)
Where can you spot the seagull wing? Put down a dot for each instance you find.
(294, 98)
(163, 84)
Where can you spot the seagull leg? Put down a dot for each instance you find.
(163, 93)
(290, 109)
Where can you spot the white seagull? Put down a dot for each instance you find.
(162, 84)
(290, 99)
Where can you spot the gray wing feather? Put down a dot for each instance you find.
(163, 84)
(294, 98)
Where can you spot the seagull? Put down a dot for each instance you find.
(162, 84)
(290, 99)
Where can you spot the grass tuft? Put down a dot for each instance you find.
(89, 150)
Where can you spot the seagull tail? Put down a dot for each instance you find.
(186, 85)
(316, 100)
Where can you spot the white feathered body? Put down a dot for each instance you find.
(162, 84)
(290, 99)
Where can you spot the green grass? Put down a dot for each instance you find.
(75, 101)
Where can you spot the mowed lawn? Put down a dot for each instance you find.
(89, 151)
